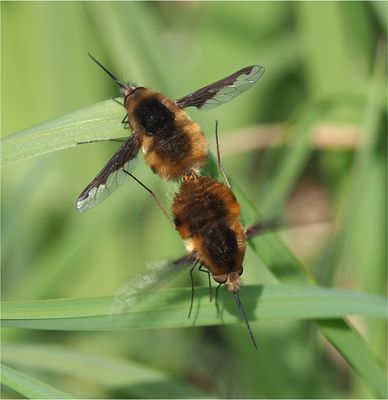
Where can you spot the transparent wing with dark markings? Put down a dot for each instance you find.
(265, 226)
(134, 290)
(277, 224)
(111, 176)
(224, 90)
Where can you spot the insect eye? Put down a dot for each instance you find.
(220, 278)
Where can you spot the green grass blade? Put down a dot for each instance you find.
(168, 309)
(293, 161)
(327, 65)
(30, 387)
(285, 266)
(355, 350)
(100, 121)
(106, 371)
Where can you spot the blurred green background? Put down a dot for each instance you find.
(307, 141)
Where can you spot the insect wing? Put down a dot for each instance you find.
(224, 90)
(111, 176)
(132, 292)
(263, 227)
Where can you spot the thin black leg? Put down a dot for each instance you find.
(118, 102)
(217, 288)
(220, 166)
(125, 121)
(192, 288)
(120, 140)
(210, 282)
(153, 195)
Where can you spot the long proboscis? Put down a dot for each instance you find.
(244, 316)
(120, 84)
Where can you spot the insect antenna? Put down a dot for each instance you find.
(242, 312)
(108, 72)
(220, 166)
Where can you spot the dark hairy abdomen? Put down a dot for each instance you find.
(158, 121)
(221, 245)
(200, 207)
(206, 211)
(155, 117)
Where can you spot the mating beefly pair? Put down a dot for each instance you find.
(204, 211)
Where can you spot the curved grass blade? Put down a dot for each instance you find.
(100, 121)
(276, 256)
(168, 308)
(337, 332)
(107, 371)
(30, 387)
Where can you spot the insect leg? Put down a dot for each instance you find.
(125, 119)
(217, 288)
(120, 140)
(118, 102)
(192, 288)
(210, 283)
(153, 195)
(220, 166)
(125, 122)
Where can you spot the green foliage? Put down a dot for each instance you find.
(29, 387)
(61, 270)
(168, 308)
